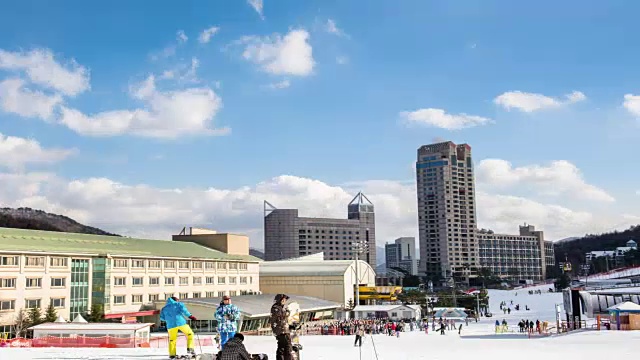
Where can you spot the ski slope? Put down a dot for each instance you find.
(477, 341)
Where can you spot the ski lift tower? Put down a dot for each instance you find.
(358, 247)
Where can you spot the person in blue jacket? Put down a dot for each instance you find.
(227, 315)
(174, 313)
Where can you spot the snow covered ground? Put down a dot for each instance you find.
(478, 341)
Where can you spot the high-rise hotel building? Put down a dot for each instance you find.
(446, 211)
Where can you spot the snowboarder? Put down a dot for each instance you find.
(227, 314)
(234, 349)
(280, 328)
(173, 314)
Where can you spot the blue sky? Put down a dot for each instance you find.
(340, 119)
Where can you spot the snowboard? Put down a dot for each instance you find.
(294, 328)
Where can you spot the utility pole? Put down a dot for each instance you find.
(357, 248)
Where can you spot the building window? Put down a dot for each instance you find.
(167, 295)
(232, 293)
(155, 264)
(137, 281)
(184, 280)
(210, 280)
(243, 266)
(210, 294)
(220, 293)
(232, 280)
(35, 261)
(154, 297)
(120, 281)
(196, 265)
(169, 264)
(210, 265)
(183, 264)
(183, 296)
(7, 305)
(221, 280)
(196, 295)
(154, 281)
(58, 262)
(8, 261)
(58, 282)
(57, 302)
(119, 300)
(8, 283)
(34, 283)
(169, 281)
(222, 265)
(32, 303)
(120, 263)
(197, 281)
(136, 299)
(233, 266)
(243, 280)
(137, 264)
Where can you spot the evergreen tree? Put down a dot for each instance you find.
(96, 314)
(35, 316)
(51, 315)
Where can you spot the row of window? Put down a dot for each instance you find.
(139, 298)
(182, 280)
(33, 261)
(39, 261)
(32, 283)
(10, 305)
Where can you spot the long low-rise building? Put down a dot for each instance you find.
(125, 276)
(525, 256)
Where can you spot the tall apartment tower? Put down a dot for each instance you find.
(446, 211)
(287, 235)
(402, 254)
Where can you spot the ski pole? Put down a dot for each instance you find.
(199, 345)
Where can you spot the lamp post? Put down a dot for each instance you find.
(357, 248)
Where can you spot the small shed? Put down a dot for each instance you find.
(626, 315)
(83, 334)
(450, 313)
(393, 312)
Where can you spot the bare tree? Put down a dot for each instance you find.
(22, 323)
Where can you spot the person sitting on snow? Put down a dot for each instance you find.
(234, 349)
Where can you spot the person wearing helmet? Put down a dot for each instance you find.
(174, 314)
(227, 315)
(280, 327)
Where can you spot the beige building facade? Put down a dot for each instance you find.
(331, 280)
(124, 276)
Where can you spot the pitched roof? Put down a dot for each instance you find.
(309, 267)
(260, 305)
(61, 242)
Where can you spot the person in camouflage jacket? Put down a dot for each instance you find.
(280, 328)
(227, 316)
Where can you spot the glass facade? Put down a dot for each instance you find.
(101, 283)
(79, 287)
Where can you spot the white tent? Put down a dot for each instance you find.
(60, 319)
(79, 319)
(625, 306)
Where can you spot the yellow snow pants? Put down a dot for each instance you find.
(173, 336)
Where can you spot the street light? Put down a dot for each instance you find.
(358, 247)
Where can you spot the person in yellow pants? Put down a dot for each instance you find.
(174, 313)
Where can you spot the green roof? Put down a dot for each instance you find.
(61, 242)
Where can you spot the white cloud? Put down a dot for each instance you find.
(258, 6)
(181, 36)
(632, 104)
(332, 28)
(530, 102)
(41, 67)
(281, 55)
(280, 85)
(16, 98)
(342, 60)
(141, 210)
(17, 152)
(168, 114)
(558, 178)
(206, 34)
(440, 119)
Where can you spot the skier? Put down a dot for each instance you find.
(174, 313)
(227, 314)
(234, 349)
(280, 328)
(359, 336)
